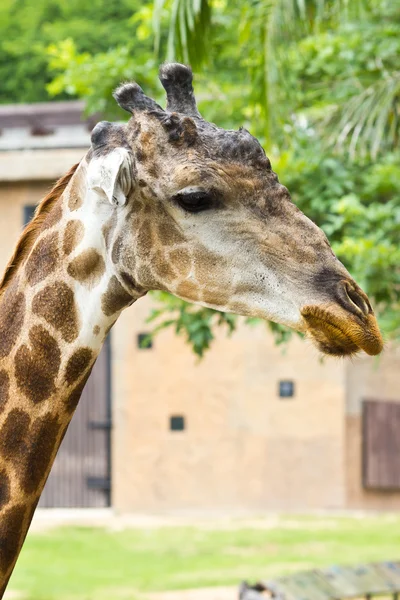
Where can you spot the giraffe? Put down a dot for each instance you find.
(168, 202)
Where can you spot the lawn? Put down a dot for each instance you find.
(93, 563)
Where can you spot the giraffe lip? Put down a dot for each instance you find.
(340, 333)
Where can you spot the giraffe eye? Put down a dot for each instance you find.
(194, 200)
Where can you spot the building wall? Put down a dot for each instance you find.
(244, 447)
(368, 378)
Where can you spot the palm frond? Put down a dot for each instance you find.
(189, 23)
(369, 120)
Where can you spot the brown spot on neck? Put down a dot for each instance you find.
(53, 217)
(56, 304)
(36, 368)
(12, 312)
(43, 260)
(4, 389)
(29, 447)
(43, 437)
(115, 298)
(78, 364)
(14, 434)
(73, 398)
(11, 537)
(131, 284)
(4, 488)
(73, 235)
(88, 267)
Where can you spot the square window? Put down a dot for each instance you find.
(144, 341)
(177, 423)
(286, 389)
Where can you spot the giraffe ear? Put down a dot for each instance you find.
(111, 175)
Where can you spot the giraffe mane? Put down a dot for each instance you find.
(32, 229)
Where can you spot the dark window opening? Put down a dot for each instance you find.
(144, 341)
(177, 423)
(29, 211)
(286, 389)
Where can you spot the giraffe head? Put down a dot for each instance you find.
(198, 212)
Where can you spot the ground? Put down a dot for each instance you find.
(170, 558)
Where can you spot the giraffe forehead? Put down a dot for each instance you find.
(177, 130)
(232, 178)
(187, 173)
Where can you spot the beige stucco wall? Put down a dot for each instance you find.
(377, 379)
(244, 447)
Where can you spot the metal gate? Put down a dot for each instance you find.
(81, 473)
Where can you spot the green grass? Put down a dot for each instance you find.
(85, 564)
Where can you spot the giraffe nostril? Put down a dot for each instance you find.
(358, 301)
(354, 299)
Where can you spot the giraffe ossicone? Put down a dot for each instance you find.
(168, 202)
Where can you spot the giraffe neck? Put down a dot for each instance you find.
(55, 313)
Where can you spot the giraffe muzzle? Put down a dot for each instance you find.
(346, 325)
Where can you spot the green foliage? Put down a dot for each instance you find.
(188, 29)
(95, 77)
(195, 323)
(198, 324)
(359, 64)
(27, 28)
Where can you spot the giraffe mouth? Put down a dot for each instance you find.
(337, 332)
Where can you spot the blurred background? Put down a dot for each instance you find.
(199, 431)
